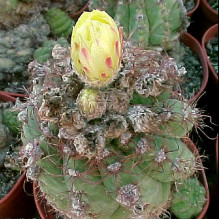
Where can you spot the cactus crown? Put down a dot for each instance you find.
(113, 151)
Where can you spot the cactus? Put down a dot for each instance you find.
(10, 166)
(113, 150)
(9, 128)
(59, 22)
(189, 199)
(44, 53)
(16, 50)
(160, 27)
(15, 12)
(9, 119)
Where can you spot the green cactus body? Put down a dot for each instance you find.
(189, 199)
(121, 213)
(30, 129)
(44, 53)
(139, 25)
(182, 120)
(128, 176)
(59, 22)
(104, 205)
(122, 16)
(168, 160)
(57, 191)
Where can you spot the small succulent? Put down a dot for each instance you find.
(59, 22)
(107, 145)
(44, 53)
(188, 199)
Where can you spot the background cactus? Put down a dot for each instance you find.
(160, 27)
(16, 50)
(44, 53)
(4, 130)
(9, 149)
(59, 22)
(184, 207)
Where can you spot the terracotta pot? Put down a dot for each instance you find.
(209, 35)
(208, 11)
(46, 211)
(195, 46)
(17, 203)
(190, 13)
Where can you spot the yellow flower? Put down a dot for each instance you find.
(96, 48)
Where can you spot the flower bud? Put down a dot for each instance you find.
(91, 103)
(96, 48)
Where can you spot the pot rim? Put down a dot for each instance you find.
(19, 183)
(209, 12)
(208, 6)
(209, 34)
(191, 12)
(195, 46)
